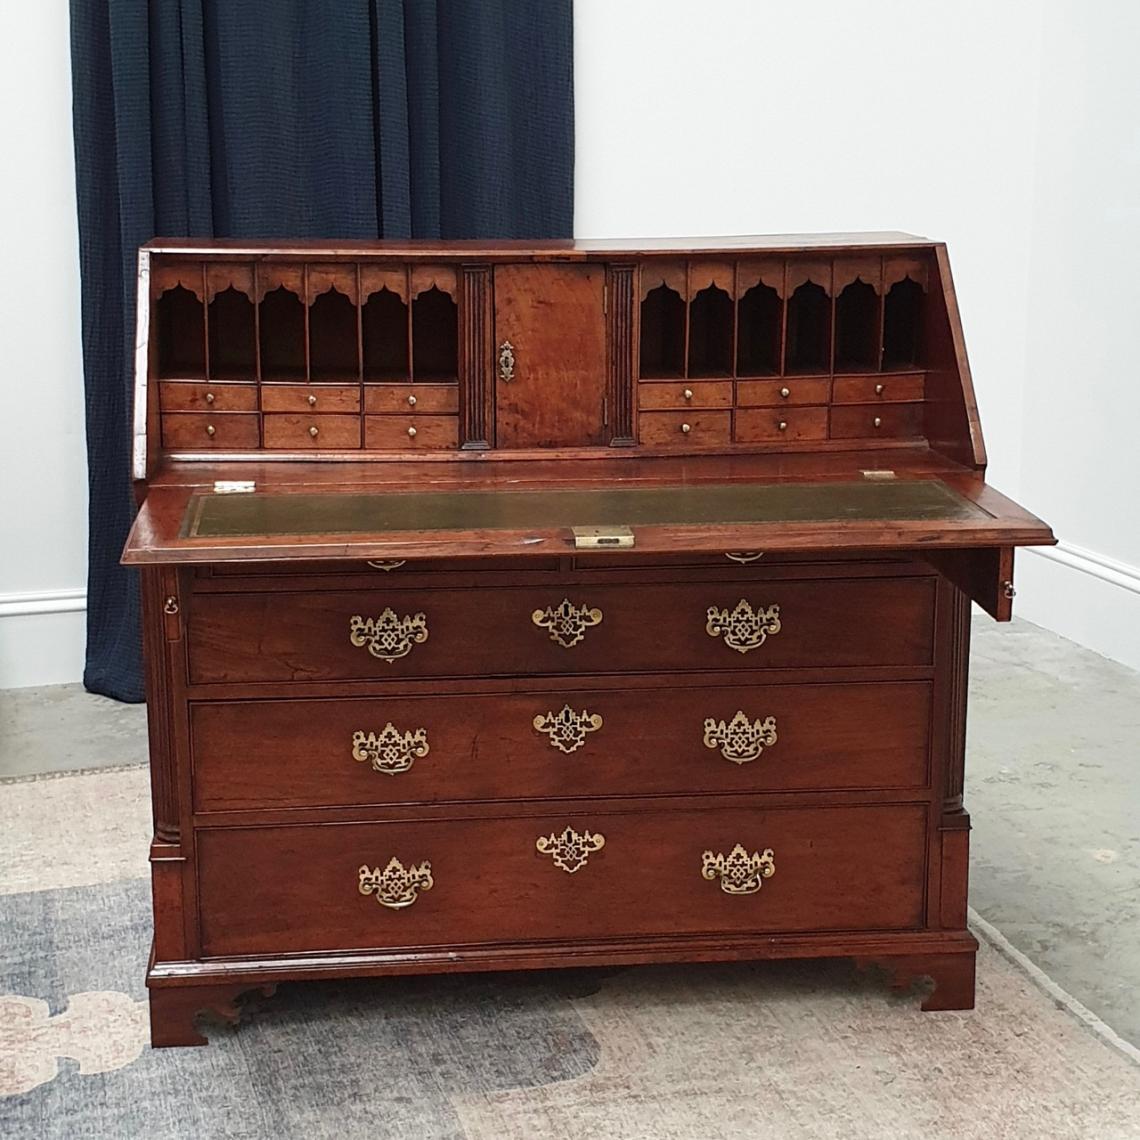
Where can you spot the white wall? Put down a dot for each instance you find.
(43, 493)
(1011, 131)
(1008, 130)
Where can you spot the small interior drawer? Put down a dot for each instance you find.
(410, 432)
(657, 394)
(312, 431)
(695, 427)
(194, 431)
(776, 393)
(310, 399)
(884, 387)
(777, 425)
(864, 421)
(424, 399)
(185, 396)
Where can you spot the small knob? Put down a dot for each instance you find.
(878, 422)
(411, 433)
(312, 401)
(313, 432)
(210, 429)
(879, 389)
(785, 392)
(209, 397)
(688, 393)
(411, 401)
(686, 428)
(783, 425)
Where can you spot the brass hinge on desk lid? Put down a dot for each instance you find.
(602, 537)
(234, 486)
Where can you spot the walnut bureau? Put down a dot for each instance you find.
(527, 605)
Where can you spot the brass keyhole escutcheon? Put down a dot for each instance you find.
(506, 362)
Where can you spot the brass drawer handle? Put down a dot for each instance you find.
(570, 851)
(506, 362)
(388, 636)
(567, 729)
(390, 564)
(396, 886)
(740, 739)
(566, 622)
(739, 873)
(744, 556)
(390, 751)
(743, 628)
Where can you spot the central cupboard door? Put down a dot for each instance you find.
(550, 355)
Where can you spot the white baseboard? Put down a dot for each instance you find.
(1082, 595)
(42, 638)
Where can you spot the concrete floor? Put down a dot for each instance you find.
(1052, 784)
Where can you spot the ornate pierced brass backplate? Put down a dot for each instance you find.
(740, 739)
(567, 729)
(390, 751)
(396, 886)
(739, 873)
(388, 636)
(743, 627)
(566, 622)
(571, 851)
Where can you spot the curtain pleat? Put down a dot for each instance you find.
(290, 119)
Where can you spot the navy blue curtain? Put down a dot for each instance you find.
(290, 118)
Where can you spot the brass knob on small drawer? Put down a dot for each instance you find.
(390, 751)
(688, 393)
(396, 886)
(785, 392)
(740, 739)
(209, 397)
(313, 431)
(878, 422)
(411, 433)
(686, 428)
(739, 873)
(783, 425)
(210, 429)
(411, 401)
(880, 389)
(312, 401)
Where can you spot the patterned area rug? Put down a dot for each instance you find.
(782, 1050)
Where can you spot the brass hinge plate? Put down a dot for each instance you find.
(602, 537)
(879, 473)
(234, 486)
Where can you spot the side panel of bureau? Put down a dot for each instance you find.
(280, 890)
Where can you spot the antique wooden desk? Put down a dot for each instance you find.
(535, 605)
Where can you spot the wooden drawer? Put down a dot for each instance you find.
(552, 629)
(888, 421)
(887, 387)
(180, 396)
(426, 399)
(310, 399)
(193, 431)
(777, 393)
(568, 743)
(406, 433)
(295, 889)
(658, 429)
(311, 431)
(684, 394)
(780, 425)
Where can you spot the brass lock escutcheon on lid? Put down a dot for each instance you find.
(602, 537)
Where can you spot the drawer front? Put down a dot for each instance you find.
(310, 399)
(250, 755)
(887, 421)
(775, 425)
(312, 431)
(406, 433)
(192, 431)
(659, 429)
(426, 399)
(777, 393)
(887, 387)
(387, 632)
(295, 889)
(684, 394)
(180, 396)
